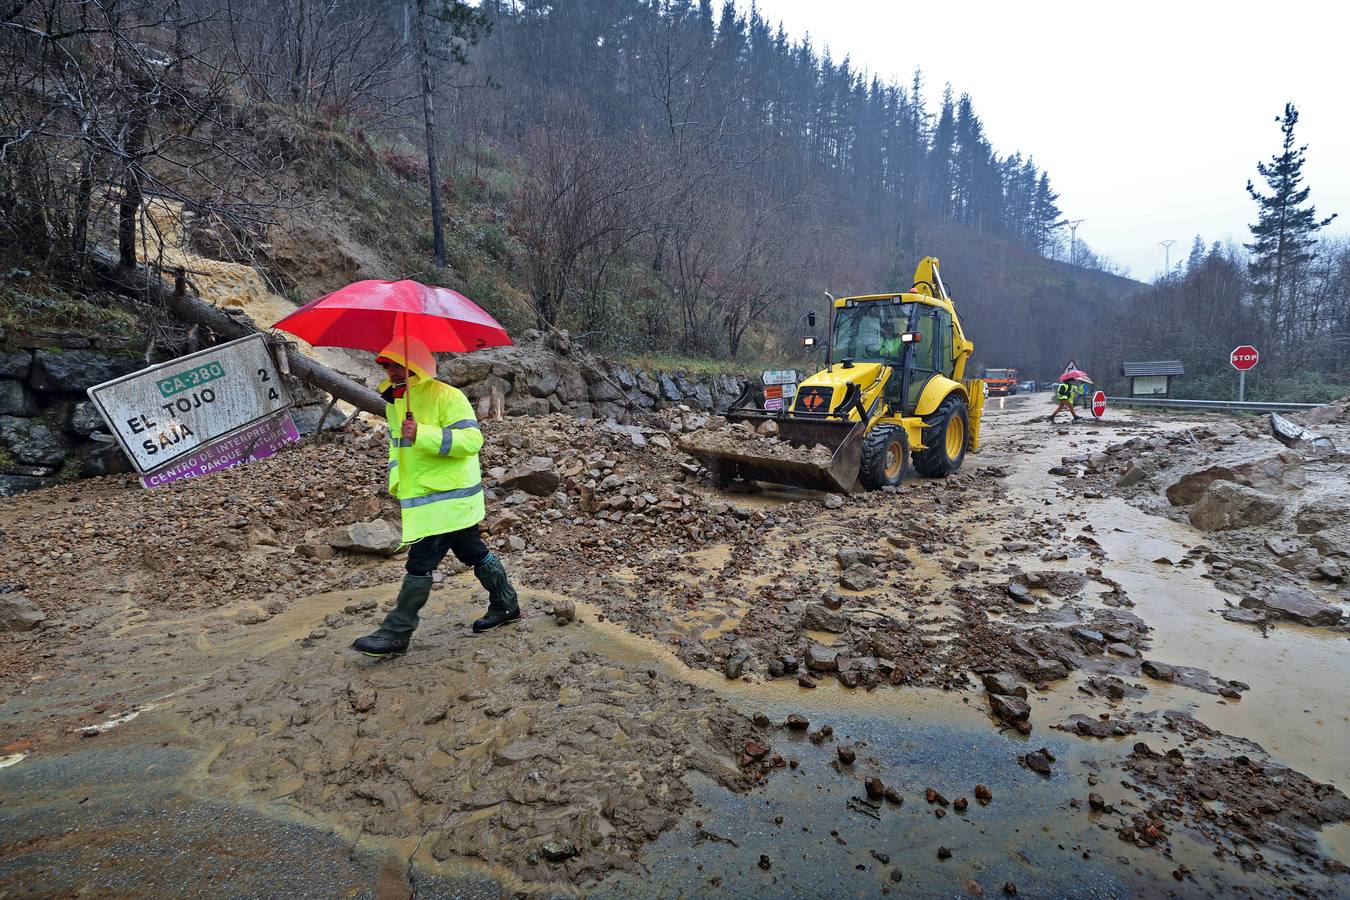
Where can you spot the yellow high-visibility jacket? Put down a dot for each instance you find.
(436, 476)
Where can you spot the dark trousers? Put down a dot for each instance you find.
(467, 545)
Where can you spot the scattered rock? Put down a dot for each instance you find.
(858, 578)
(735, 665)
(820, 658)
(1009, 709)
(376, 537)
(983, 794)
(1038, 761)
(1004, 683)
(846, 754)
(534, 476)
(1296, 605)
(558, 850)
(18, 613)
(819, 617)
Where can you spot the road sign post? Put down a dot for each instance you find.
(1243, 358)
(1099, 404)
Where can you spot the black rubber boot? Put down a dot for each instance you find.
(503, 603)
(392, 636)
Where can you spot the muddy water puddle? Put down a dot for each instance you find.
(1296, 707)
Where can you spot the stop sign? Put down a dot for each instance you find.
(1099, 404)
(1244, 357)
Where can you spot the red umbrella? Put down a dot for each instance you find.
(368, 315)
(1076, 375)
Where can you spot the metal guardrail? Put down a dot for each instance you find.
(1213, 405)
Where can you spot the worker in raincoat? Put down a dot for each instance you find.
(435, 474)
(1066, 394)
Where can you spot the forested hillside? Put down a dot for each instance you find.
(659, 176)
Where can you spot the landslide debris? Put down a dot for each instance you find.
(1271, 498)
(522, 755)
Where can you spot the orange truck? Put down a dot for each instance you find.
(1001, 382)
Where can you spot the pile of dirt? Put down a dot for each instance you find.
(741, 439)
(211, 541)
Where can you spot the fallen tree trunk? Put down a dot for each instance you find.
(141, 283)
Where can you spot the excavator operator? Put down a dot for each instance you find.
(891, 346)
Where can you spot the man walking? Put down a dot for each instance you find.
(1066, 393)
(434, 472)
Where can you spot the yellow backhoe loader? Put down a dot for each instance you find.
(891, 391)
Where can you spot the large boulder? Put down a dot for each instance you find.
(669, 389)
(604, 388)
(1281, 472)
(1296, 605)
(1188, 488)
(572, 387)
(32, 441)
(1225, 506)
(18, 613)
(702, 395)
(1296, 437)
(85, 419)
(15, 364)
(16, 399)
(75, 371)
(17, 484)
(534, 476)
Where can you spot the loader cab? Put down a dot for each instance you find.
(912, 337)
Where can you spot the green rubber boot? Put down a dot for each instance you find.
(392, 636)
(503, 602)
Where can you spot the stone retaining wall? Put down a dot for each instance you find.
(46, 417)
(544, 374)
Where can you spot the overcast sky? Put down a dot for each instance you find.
(1149, 116)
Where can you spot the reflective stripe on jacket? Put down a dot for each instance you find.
(1063, 392)
(436, 476)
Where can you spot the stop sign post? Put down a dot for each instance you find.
(1099, 404)
(1243, 358)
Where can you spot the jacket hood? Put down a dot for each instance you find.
(413, 355)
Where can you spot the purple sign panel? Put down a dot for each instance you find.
(257, 441)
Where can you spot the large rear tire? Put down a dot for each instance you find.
(885, 455)
(945, 439)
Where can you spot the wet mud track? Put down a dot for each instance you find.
(612, 757)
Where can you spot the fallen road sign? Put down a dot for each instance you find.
(258, 441)
(170, 411)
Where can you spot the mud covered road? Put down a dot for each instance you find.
(1037, 677)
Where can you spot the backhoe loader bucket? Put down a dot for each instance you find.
(841, 436)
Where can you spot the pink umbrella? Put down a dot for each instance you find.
(1075, 375)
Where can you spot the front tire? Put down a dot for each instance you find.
(885, 455)
(945, 439)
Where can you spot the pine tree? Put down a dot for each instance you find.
(1285, 231)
